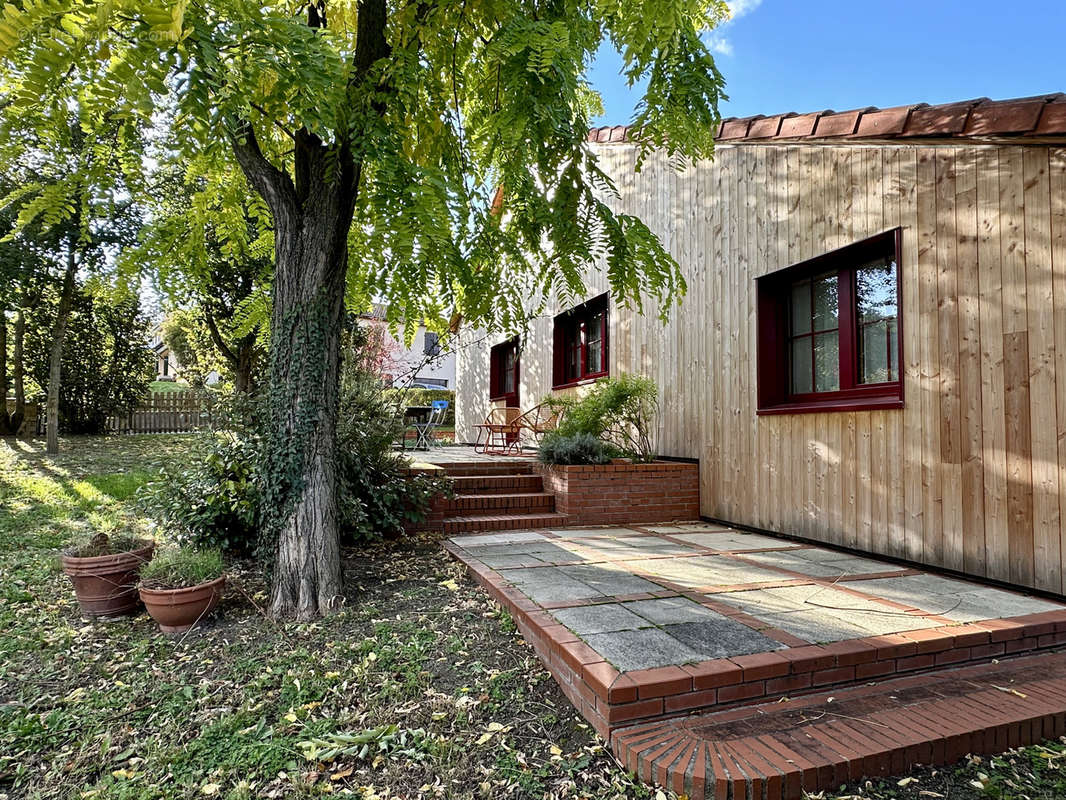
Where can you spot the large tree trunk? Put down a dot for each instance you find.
(55, 356)
(5, 425)
(18, 372)
(304, 385)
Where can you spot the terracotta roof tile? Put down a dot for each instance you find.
(842, 124)
(766, 127)
(1053, 118)
(1008, 116)
(1032, 116)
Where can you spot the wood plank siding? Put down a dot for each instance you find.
(971, 474)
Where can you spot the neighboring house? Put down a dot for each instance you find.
(166, 363)
(167, 366)
(425, 363)
(872, 348)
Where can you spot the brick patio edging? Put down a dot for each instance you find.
(610, 700)
(604, 494)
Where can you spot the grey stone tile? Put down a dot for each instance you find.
(497, 538)
(642, 649)
(601, 618)
(550, 585)
(510, 562)
(672, 610)
(959, 601)
(758, 602)
(609, 580)
(815, 628)
(791, 560)
(721, 638)
(589, 533)
(734, 540)
(688, 527)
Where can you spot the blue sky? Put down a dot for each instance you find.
(809, 55)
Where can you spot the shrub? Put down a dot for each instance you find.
(212, 499)
(376, 495)
(579, 448)
(181, 567)
(103, 545)
(619, 411)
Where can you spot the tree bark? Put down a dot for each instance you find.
(5, 424)
(18, 372)
(304, 387)
(55, 356)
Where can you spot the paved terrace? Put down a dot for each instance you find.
(641, 622)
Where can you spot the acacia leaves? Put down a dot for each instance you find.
(463, 98)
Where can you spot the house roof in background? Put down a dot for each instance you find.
(1043, 115)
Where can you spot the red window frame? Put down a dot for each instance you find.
(571, 344)
(774, 292)
(498, 369)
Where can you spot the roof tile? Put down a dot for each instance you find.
(1053, 118)
(734, 128)
(1007, 116)
(842, 124)
(800, 125)
(1033, 116)
(884, 121)
(767, 127)
(943, 120)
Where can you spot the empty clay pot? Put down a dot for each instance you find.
(177, 610)
(106, 586)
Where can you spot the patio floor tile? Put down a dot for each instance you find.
(601, 618)
(671, 610)
(609, 580)
(641, 649)
(721, 637)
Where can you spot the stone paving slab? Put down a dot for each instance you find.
(673, 618)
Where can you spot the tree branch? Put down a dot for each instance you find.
(272, 183)
(216, 337)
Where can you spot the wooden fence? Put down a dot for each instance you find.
(164, 412)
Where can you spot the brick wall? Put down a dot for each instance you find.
(625, 493)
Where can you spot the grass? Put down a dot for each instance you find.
(179, 568)
(420, 688)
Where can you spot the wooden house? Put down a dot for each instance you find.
(872, 349)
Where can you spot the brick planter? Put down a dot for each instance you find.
(625, 493)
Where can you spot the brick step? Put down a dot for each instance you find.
(778, 751)
(520, 502)
(486, 468)
(474, 523)
(497, 484)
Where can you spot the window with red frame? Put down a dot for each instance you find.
(503, 372)
(580, 343)
(829, 331)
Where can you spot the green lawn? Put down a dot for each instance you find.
(422, 688)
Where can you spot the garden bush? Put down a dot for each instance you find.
(620, 412)
(212, 499)
(578, 448)
(181, 567)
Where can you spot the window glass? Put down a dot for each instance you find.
(800, 366)
(800, 316)
(876, 309)
(875, 292)
(826, 362)
(594, 344)
(824, 292)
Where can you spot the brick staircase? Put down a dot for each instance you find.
(496, 496)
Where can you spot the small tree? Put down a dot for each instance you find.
(376, 132)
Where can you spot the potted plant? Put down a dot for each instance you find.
(181, 586)
(104, 573)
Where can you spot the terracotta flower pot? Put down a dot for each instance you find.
(177, 610)
(106, 586)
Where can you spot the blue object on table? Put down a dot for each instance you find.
(425, 438)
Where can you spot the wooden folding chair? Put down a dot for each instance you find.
(497, 435)
(539, 420)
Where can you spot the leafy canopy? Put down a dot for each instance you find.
(460, 98)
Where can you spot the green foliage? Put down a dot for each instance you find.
(211, 499)
(103, 545)
(575, 448)
(620, 411)
(183, 331)
(107, 364)
(376, 495)
(181, 567)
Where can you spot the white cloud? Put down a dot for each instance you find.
(718, 42)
